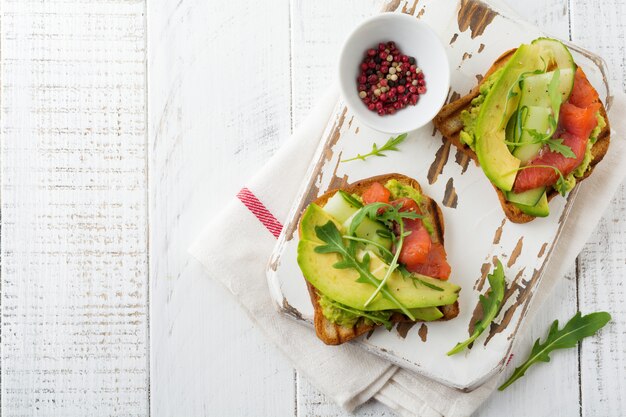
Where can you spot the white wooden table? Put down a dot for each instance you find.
(110, 166)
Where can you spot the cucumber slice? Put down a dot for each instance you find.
(541, 209)
(555, 54)
(371, 230)
(537, 118)
(339, 208)
(535, 87)
(535, 96)
(527, 198)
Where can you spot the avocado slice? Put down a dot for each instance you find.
(313, 216)
(541, 209)
(341, 284)
(427, 313)
(494, 156)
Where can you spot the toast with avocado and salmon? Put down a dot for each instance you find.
(372, 254)
(534, 124)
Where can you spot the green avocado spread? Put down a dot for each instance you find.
(335, 314)
(467, 134)
(399, 190)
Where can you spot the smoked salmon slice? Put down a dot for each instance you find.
(583, 94)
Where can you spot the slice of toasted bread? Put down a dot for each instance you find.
(448, 122)
(334, 334)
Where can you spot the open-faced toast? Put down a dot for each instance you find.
(449, 122)
(334, 334)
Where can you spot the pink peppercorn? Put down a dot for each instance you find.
(389, 80)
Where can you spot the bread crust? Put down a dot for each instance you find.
(334, 334)
(448, 122)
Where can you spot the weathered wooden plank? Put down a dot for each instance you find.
(74, 261)
(219, 104)
(602, 264)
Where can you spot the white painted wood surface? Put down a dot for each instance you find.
(74, 231)
(91, 166)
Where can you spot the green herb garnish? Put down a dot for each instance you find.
(390, 145)
(350, 199)
(385, 253)
(329, 234)
(427, 284)
(555, 145)
(491, 303)
(576, 329)
(408, 275)
(389, 215)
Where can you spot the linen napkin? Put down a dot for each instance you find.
(347, 374)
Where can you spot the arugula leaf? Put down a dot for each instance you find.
(408, 275)
(491, 303)
(369, 210)
(556, 145)
(329, 234)
(393, 265)
(561, 185)
(385, 234)
(576, 329)
(390, 145)
(427, 284)
(389, 215)
(350, 199)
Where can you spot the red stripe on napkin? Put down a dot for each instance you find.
(260, 211)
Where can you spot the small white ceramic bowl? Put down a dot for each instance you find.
(413, 38)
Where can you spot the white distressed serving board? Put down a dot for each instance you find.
(477, 231)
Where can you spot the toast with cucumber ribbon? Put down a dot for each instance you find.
(372, 255)
(534, 124)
